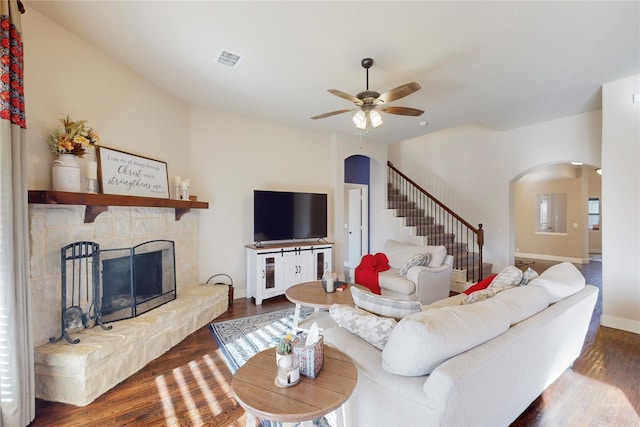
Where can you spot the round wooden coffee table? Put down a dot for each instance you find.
(311, 294)
(254, 389)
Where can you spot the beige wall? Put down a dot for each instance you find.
(65, 75)
(569, 246)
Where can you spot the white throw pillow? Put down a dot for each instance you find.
(383, 306)
(373, 329)
(422, 341)
(560, 280)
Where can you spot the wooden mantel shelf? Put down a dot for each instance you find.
(98, 203)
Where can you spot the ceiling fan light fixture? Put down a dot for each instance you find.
(376, 118)
(360, 119)
(368, 101)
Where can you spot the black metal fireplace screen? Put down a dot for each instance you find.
(136, 280)
(131, 281)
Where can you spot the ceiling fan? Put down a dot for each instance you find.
(369, 102)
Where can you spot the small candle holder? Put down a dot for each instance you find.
(92, 186)
(185, 193)
(177, 193)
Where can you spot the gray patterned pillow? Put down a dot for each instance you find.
(383, 306)
(507, 278)
(484, 294)
(418, 259)
(528, 275)
(373, 329)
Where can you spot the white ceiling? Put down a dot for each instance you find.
(504, 64)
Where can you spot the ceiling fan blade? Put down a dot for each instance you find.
(403, 111)
(345, 96)
(333, 113)
(399, 92)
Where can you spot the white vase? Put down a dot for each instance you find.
(65, 174)
(284, 360)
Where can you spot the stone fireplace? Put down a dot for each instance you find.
(79, 373)
(55, 226)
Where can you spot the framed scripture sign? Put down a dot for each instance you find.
(130, 175)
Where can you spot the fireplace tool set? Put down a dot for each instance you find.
(79, 263)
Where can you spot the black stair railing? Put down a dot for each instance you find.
(437, 221)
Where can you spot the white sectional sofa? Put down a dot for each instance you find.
(424, 283)
(477, 364)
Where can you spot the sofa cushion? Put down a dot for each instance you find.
(398, 253)
(454, 300)
(524, 301)
(560, 280)
(482, 284)
(391, 281)
(373, 329)
(422, 341)
(383, 306)
(418, 259)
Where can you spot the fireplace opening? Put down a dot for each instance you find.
(136, 280)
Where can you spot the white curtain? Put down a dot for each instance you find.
(17, 397)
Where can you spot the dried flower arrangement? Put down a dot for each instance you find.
(73, 138)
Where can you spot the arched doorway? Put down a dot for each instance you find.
(556, 212)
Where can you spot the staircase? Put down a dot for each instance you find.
(439, 224)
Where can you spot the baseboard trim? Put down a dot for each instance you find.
(620, 323)
(552, 258)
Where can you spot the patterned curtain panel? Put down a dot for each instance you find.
(16, 344)
(12, 93)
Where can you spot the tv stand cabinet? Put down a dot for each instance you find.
(271, 269)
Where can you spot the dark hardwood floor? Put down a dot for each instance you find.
(190, 384)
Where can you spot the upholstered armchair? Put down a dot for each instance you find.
(424, 283)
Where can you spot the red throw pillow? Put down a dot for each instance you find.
(483, 284)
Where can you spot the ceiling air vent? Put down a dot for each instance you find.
(228, 58)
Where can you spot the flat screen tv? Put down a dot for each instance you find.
(283, 215)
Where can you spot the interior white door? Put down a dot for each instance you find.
(354, 226)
